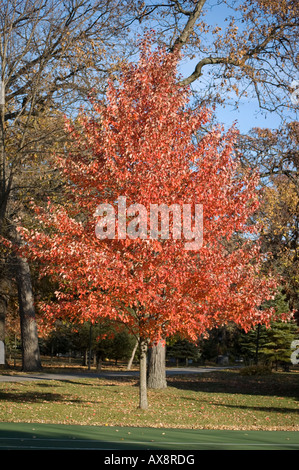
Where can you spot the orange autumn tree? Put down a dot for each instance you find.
(135, 158)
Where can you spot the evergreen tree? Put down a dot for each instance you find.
(183, 349)
(251, 343)
(277, 348)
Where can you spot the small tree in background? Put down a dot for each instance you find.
(251, 344)
(139, 144)
(182, 349)
(277, 347)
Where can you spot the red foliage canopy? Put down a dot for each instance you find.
(140, 144)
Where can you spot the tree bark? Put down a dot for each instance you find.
(157, 372)
(30, 348)
(143, 403)
(189, 27)
(4, 294)
(3, 309)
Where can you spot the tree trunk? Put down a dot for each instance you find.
(99, 363)
(132, 355)
(85, 357)
(5, 286)
(157, 372)
(30, 347)
(143, 404)
(3, 307)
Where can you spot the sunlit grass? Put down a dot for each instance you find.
(220, 400)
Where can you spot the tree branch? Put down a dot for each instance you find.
(189, 27)
(274, 33)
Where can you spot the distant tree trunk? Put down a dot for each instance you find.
(99, 363)
(30, 347)
(52, 353)
(143, 403)
(257, 344)
(157, 372)
(5, 292)
(84, 358)
(3, 307)
(132, 355)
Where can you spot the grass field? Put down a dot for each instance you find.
(222, 400)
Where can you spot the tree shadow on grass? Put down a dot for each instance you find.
(30, 397)
(36, 395)
(270, 409)
(246, 407)
(17, 395)
(276, 384)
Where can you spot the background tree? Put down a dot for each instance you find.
(275, 153)
(118, 346)
(60, 340)
(233, 50)
(51, 54)
(251, 344)
(277, 346)
(181, 349)
(271, 345)
(221, 341)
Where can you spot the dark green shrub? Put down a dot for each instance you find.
(256, 370)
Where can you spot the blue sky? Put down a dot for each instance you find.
(248, 116)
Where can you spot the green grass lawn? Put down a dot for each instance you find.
(217, 400)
